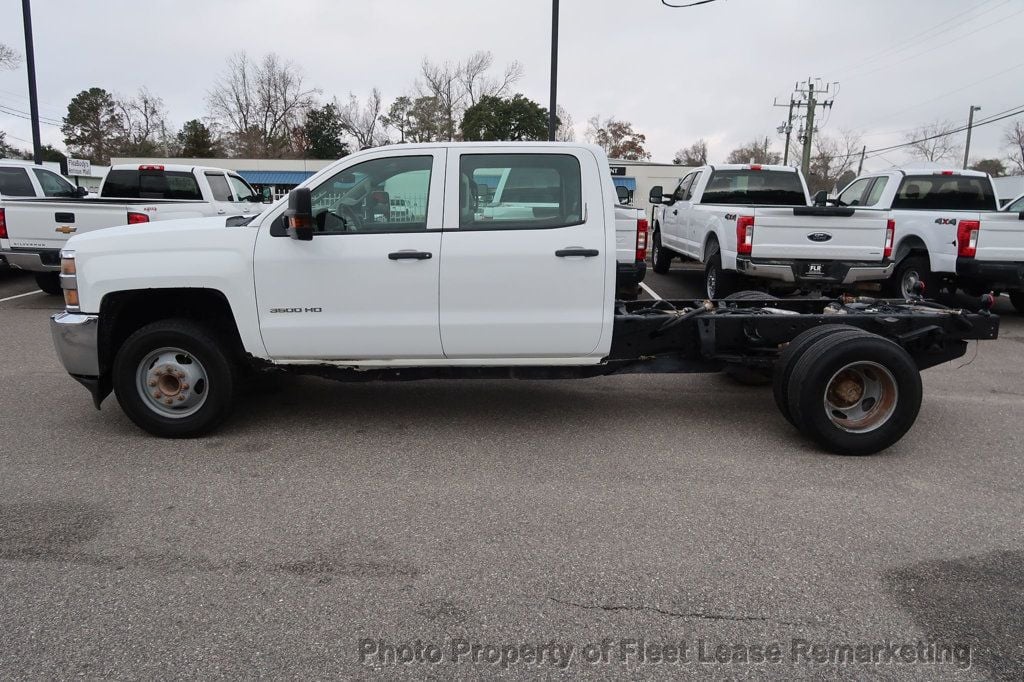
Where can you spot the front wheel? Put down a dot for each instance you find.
(661, 259)
(49, 282)
(173, 379)
(854, 394)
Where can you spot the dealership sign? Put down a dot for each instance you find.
(79, 167)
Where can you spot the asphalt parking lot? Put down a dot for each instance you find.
(659, 508)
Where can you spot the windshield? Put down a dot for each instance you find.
(243, 191)
(764, 187)
(946, 193)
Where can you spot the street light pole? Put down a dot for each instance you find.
(970, 124)
(30, 63)
(553, 111)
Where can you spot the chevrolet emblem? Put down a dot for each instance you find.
(66, 229)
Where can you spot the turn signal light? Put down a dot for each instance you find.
(642, 227)
(745, 234)
(71, 299)
(967, 238)
(136, 218)
(890, 234)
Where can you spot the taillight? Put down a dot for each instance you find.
(642, 228)
(136, 218)
(3, 224)
(745, 234)
(967, 238)
(755, 166)
(890, 235)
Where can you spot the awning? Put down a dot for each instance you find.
(275, 177)
(628, 183)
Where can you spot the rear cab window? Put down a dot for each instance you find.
(761, 187)
(519, 191)
(945, 193)
(14, 182)
(151, 184)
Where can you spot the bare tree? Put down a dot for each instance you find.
(144, 121)
(9, 57)
(1014, 137)
(566, 131)
(617, 138)
(832, 160)
(472, 76)
(363, 120)
(456, 86)
(259, 104)
(934, 142)
(694, 155)
(755, 152)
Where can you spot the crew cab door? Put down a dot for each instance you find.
(673, 231)
(366, 286)
(526, 276)
(222, 199)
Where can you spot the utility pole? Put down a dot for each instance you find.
(860, 166)
(553, 111)
(970, 124)
(786, 128)
(33, 99)
(808, 99)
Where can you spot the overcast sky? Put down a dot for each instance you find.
(677, 74)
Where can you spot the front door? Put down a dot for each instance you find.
(366, 286)
(526, 256)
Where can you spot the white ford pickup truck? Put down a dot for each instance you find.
(949, 234)
(32, 231)
(339, 283)
(755, 221)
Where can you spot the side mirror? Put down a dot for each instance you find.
(622, 194)
(657, 195)
(266, 195)
(821, 198)
(81, 192)
(298, 219)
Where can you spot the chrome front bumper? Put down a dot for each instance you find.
(75, 338)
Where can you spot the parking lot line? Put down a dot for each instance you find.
(27, 293)
(650, 291)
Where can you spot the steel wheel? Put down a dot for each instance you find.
(172, 382)
(909, 280)
(861, 397)
(711, 281)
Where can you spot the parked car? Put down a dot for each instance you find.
(754, 221)
(167, 315)
(33, 230)
(948, 232)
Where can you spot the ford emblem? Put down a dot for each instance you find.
(819, 236)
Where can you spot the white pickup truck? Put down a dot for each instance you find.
(948, 232)
(32, 231)
(755, 221)
(336, 283)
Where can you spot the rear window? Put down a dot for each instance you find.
(14, 182)
(945, 193)
(765, 187)
(135, 184)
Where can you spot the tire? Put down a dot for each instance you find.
(661, 259)
(792, 353)
(185, 363)
(911, 269)
(49, 282)
(1017, 299)
(856, 394)
(751, 295)
(718, 283)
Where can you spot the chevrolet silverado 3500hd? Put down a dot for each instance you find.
(335, 282)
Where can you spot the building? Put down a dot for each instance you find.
(282, 175)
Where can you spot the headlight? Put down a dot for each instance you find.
(69, 279)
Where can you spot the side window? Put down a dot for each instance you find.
(529, 191)
(693, 186)
(876, 191)
(854, 194)
(683, 191)
(219, 187)
(382, 195)
(14, 182)
(243, 192)
(53, 185)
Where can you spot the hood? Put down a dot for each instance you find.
(181, 227)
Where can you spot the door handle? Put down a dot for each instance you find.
(221, 211)
(577, 251)
(410, 255)
(675, 212)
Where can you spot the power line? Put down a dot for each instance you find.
(15, 110)
(27, 117)
(992, 119)
(692, 4)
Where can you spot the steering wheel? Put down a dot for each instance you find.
(349, 218)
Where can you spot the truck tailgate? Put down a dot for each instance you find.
(819, 233)
(1001, 237)
(42, 224)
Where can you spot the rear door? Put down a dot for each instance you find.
(518, 283)
(819, 233)
(1001, 237)
(222, 198)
